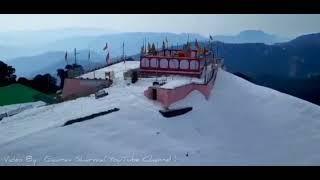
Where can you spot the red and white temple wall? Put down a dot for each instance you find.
(169, 96)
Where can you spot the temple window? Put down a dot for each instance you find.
(184, 64)
(194, 65)
(174, 64)
(163, 63)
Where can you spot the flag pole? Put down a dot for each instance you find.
(167, 42)
(123, 56)
(75, 56)
(66, 57)
(211, 48)
(89, 57)
(188, 40)
(94, 71)
(217, 48)
(145, 45)
(123, 51)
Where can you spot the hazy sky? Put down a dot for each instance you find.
(285, 25)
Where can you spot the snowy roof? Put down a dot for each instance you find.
(118, 68)
(176, 81)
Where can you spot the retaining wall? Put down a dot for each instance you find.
(170, 96)
(74, 88)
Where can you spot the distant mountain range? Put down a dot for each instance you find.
(295, 58)
(132, 41)
(34, 52)
(40, 43)
(15, 44)
(291, 67)
(49, 62)
(251, 36)
(31, 43)
(40, 37)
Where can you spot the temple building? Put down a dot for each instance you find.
(175, 62)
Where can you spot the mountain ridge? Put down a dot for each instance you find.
(250, 36)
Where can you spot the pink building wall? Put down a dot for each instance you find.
(170, 96)
(74, 88)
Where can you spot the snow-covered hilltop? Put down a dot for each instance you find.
(240, 124)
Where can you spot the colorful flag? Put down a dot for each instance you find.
(106, 47)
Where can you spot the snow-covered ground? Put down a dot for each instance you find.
(7, 108)
(240, 124)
